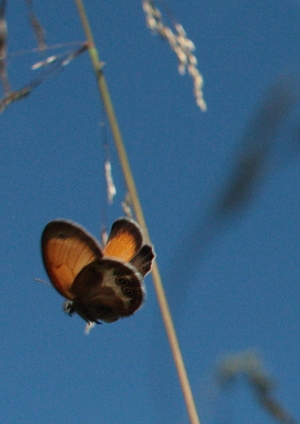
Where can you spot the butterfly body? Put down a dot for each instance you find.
(100, 285)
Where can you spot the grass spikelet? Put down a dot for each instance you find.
(181, 45)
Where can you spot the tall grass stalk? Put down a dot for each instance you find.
(168, 322)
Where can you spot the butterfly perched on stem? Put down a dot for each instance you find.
(99, 284)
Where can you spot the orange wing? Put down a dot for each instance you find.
(66, 249)
(125, 240)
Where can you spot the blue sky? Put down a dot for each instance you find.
(241, 291)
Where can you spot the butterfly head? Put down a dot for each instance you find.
(107, 290)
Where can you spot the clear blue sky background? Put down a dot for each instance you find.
(240, 292)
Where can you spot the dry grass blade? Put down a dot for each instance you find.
(136, 205)
(3, 49)
(250, 169)
(52, 66)
(257, 147)
(36, 26)
(249, 365)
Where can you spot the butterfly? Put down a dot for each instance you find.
(98, 284)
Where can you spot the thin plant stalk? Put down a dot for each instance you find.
(103, 90)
